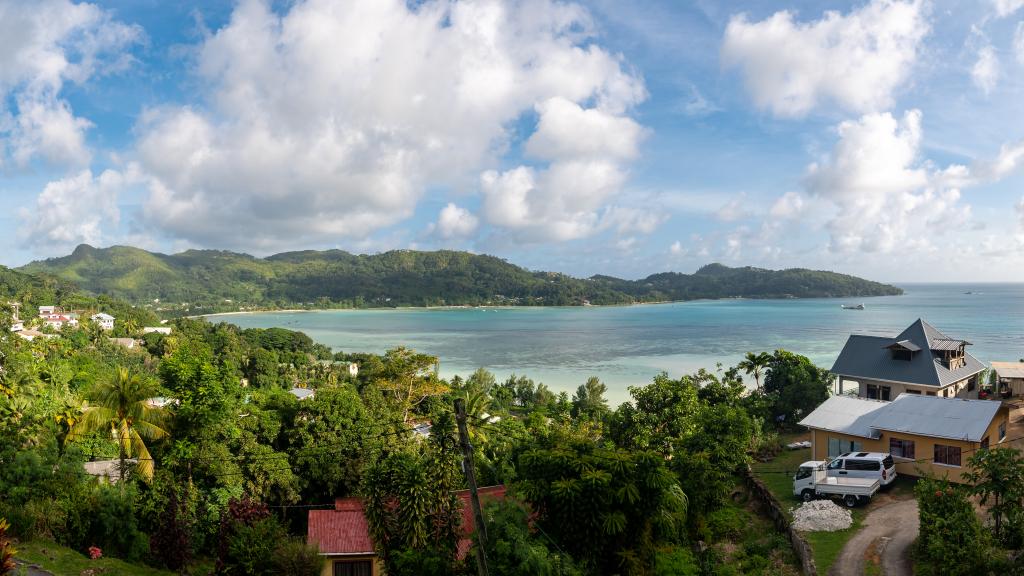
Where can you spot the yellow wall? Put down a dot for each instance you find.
(924, 449)
(328, 569)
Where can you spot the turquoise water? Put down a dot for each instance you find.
(628, 345)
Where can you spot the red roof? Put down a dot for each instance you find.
(344, 529)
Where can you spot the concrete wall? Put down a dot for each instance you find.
(924, 449)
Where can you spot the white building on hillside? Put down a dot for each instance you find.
(105, 321)
(156, 329)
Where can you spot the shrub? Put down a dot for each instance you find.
(7, 550)
(676, 561)
(251, 547)
(295, 557)
(726, 522)
(951, 540)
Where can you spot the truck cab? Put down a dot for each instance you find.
(806, 475)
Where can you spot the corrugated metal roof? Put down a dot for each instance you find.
(952, 418)
(845, 414)
(868, 357)
(1009, 369)
(932, 416)
(948, 344)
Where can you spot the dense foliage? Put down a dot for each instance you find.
(215, 459)
(210, 280)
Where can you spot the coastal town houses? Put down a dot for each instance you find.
(1009, 378)
(919, 360)
(924, 434)
(343, 536)
(104, 321)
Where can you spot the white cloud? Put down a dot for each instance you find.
(985, 72)
(1006, 7)
(455, 222)
(856, 60)
(1018, 42)
(677, 249)
(886, 196)
(76, 209)
(43, 46)
(330, 121)
(1020, 213)
(788, 206)
(733, 210)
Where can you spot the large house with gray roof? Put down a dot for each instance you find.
(919, 360)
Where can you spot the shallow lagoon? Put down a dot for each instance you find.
(628, 345)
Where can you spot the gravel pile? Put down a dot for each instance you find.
(821, 516)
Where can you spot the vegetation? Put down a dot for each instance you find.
(210, 280)
(229, 462)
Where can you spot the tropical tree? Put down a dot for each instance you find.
(410, 379)
(997, 478)
(589, 402)
(755, 365)
(794, 386)
(7, 550)
(120, 406)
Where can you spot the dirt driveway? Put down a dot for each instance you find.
(884, 538)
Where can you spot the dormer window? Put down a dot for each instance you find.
(903, 350)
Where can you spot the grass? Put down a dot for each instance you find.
(63, 561)
(777, 475)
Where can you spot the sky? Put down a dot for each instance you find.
(881, 138)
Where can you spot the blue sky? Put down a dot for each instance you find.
(879, 138)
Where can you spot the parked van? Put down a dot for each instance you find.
(872, 465)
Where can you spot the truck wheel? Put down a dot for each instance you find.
(850, 500)
(807, 495)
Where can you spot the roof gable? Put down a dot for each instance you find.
(846, 414)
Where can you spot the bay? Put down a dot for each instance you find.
(629, 345)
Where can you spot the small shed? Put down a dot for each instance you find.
(1009, 378)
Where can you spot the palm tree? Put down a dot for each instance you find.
(754, 365)
(121, 407)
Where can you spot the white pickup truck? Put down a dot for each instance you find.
(812, 481)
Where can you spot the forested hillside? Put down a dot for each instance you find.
(334, 278)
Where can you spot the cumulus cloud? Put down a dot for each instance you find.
(985, 72)
(43, 46)
(454, 222)
(886, 196)
(856, 60)
(76, 209)
(329, 121)
(1006, 7)
(676, 249)
(788, 206)
(733, 210)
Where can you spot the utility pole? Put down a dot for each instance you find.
(474, 498)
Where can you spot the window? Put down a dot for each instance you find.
(945, 393)
(984, 443)
(879, 392)
(1002, 431)
(804, 472)
(901, 448)
(931, 393)
(918, 392)
(837, 446)
(356, 568)
(869, 465)
(835, 465)
(948, 455)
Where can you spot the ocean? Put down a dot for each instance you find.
(628, 345)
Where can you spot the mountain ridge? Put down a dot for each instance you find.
(335, 278)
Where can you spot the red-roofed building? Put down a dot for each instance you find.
(344, 537)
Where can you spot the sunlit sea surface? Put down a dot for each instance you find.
(628, 345)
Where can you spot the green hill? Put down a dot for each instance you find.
(226, 280)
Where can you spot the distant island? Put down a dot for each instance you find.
(217, 280)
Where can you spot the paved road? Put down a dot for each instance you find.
(887, 531)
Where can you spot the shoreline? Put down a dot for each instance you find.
(520, 307)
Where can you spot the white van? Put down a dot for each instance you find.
(872, 465)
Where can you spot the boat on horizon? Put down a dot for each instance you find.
(852, 306)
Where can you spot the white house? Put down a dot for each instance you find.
(17, 326)
(47, 310)
(156, 329)
(58, 321)
(105, 321)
